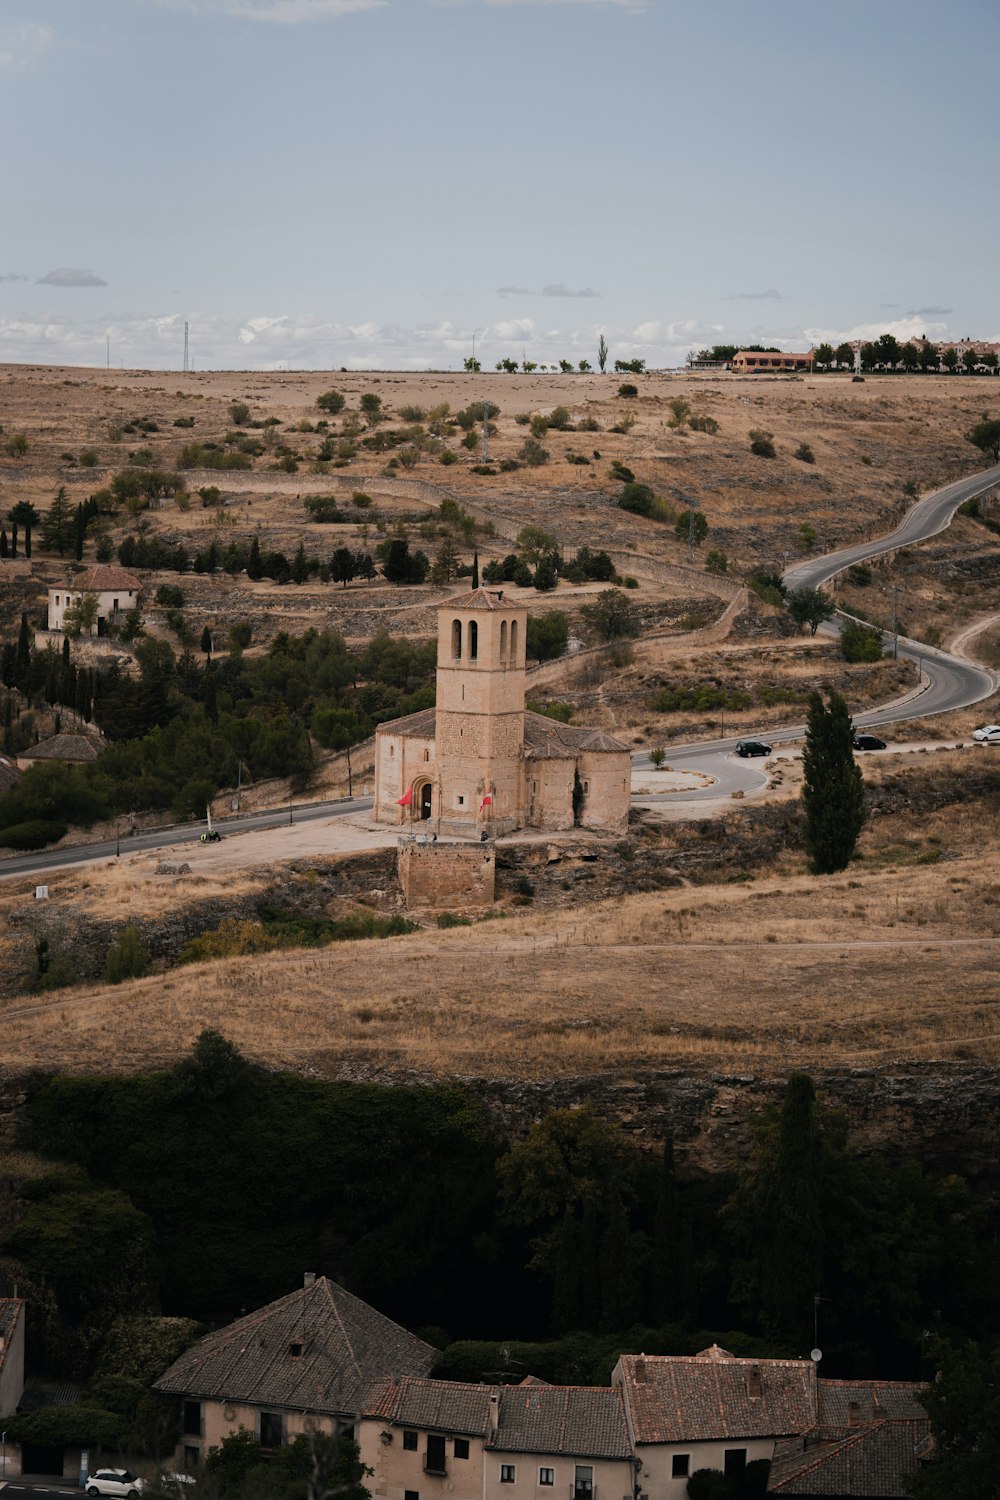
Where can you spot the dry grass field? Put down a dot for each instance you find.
(897, 958)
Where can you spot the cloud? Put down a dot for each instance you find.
(930, 312)
(910, 327)
(513, 291)
(770, 295)
(11, 276)
(635, 6)
(560, 289)
(65, 276)
(23, 43)
(294, 12)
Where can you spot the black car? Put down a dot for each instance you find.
(752, 747)
(868, 742)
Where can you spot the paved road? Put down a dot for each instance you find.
(187, 833)
(947, 682)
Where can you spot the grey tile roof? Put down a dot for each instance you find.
(11, 1311)
(346, 1347)
(41, 1393)
(873, 1462)
(74, 747)
(480, 598)
(544, 738)
(9, 774)
(433, 1405)
(418, 726)
(712, 1396)
(579, 1421)
(853, 1403)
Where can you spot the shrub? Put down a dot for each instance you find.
(35, 833)
(637, 498)
(509, 465)
(621, 471)
(470, 441)
(805, 453)
(239, 413)
(324, 509)
(539, 426)
(411, 414)
(241, 635)
(762, 443)
(625, 423)
(716, 562)
(767, 586)
(331, 401)
(701, 423)
(533, 453)
(448, 919)
(860, 642)
(860, 574)
(559, 418)
(691, 527)
(184, 421)
(128, 956)
(588, 424)
(628, 392)
(866, 459)
(88, 458)
(170, 596)
(448, 457)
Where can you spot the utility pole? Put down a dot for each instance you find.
(187, 360)
(350, 781)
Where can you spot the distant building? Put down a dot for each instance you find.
(750, 362)
(117, 592)
(479, 761)
(71, 749)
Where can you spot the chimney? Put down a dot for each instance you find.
(493, 1419)
(640, 1372)
(853, 1413)
(309, 1280)
(754, 1387)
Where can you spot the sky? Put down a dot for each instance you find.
(318, 184)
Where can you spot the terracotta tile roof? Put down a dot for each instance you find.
(346, 1347)
(875, 1461)
(712, 1396)
(853, 1403)
(579, 1421)
(103, 579)
(433, 1405)
(74, 747)
(418, 726)
(547, 739)
(482, 599)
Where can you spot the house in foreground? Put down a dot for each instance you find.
(115, 590)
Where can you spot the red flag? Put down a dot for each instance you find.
(406, 800)
(487, 801)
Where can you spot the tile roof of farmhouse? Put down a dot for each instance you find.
(875, 1461)
(852, 1403)
(103, 579)
(579, 1421)
(544, 738)
(318, 1349)
(72, 747)
(714, 1396)
(482, 599)
(435, 1405)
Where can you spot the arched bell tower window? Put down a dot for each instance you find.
(473, 640)
(513, 643)
(503, 640)
(456, 639)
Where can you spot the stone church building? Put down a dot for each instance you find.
(479, 761)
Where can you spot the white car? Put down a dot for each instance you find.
(989, 734)
(114, 1482)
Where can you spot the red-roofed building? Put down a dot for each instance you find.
(115, 590)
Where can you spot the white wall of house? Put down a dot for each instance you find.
(109, 603)
(400, 1471)
(657, 1478)
(610, 1479)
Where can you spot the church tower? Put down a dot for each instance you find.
(479, 724)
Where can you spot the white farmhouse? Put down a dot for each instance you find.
(116, 591)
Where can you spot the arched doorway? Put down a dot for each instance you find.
(426, 793)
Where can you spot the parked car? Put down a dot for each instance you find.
(752, 747)
(868, 742)
(114, 1482)
(989, 734)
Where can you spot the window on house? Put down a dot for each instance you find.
(546, 1476)
(461, 1447)
(271, 1429)
(473, 640)
(460, 801)
(410, 1442)
(735, 1461)
(192, 1419)
(513, 641)
(508, 1473)
(503, 639)
(427, 755)
(295, 1350)
(434, 1459)
(583, 1483)
(411, 1495)
(680, 1465)
(456, 639)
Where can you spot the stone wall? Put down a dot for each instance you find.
(445, 877)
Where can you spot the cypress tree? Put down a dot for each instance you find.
(206, 641)
(81, 530)
(22, 658)
(475, 570)
(13, 538)
(255, 567)
(833, 789)
(4, 546)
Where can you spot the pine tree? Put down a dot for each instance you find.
(300, 568)
(57, 524)
(833, 789)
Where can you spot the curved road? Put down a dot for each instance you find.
(947, 683)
